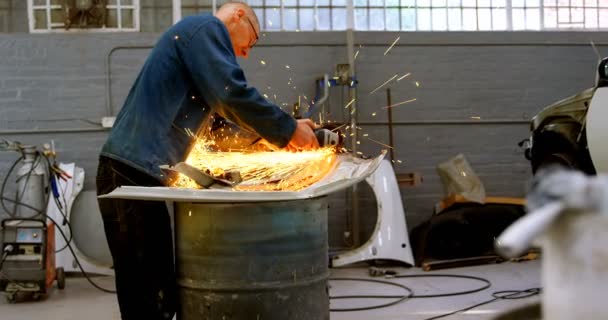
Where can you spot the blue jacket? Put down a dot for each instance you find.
(191, 73)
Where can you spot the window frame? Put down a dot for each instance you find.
(508, 9)
(48, 7)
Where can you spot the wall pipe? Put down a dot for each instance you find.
(177, 11)
(352, 96)
(109, 107)
(403, 123)
(448, 122)
(45, 131)
(389, 102)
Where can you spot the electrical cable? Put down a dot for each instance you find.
(4, 256)
(65, 221)
(67, 241)
(71, 250)
(17, 203)
(498, 295)
(86, 275)
(66, 217)
(486, 284)
(2, 275)
(10, 170)
(5, 252)
(27, 180)
(40, 212)
(399, 298)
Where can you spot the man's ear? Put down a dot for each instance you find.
(238, 14)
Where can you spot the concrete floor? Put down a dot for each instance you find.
(81, 301)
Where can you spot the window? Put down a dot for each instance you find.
(192, 7)
(5, 11)
(575, 14)
(156, 15)
(305, 15)
(423, 15)
(83, 15)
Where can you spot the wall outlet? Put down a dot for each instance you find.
(107, 122)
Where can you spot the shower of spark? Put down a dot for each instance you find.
(399, 103)
(417, 84)
(382, 85)
(262, 170)
(189, 132)
(263, 62)
(404, 76)
(356, 54)
(392, 45)
(338, 127)
(476, 118)
(380, 143)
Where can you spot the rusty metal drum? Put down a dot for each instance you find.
(252, 260)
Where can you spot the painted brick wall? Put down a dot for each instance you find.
(50, 82)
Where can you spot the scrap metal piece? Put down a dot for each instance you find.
(348, 171)
(203, 178)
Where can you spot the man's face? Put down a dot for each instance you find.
(244, 33)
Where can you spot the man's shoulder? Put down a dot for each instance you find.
(189, 26)
(197, 21)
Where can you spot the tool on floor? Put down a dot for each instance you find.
(379, 272)
(205, 179)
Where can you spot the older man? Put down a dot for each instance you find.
(191, 73)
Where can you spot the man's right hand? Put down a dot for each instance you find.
(303, 137)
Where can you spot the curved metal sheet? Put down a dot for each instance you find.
(597, 131)
(348, 172)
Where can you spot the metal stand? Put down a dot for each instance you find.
(390, 239)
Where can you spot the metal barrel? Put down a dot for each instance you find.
(252, 261)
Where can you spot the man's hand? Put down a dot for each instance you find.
(303, 137)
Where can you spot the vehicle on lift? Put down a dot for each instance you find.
(561, 132)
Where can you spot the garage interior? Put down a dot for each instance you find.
(444, 95)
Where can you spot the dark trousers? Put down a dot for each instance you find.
(140, 240)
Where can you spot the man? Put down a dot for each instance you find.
(191, 73)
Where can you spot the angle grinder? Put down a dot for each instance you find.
(326, 137)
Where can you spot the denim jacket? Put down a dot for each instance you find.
(191, 73)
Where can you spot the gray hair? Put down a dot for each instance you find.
(239, 4)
